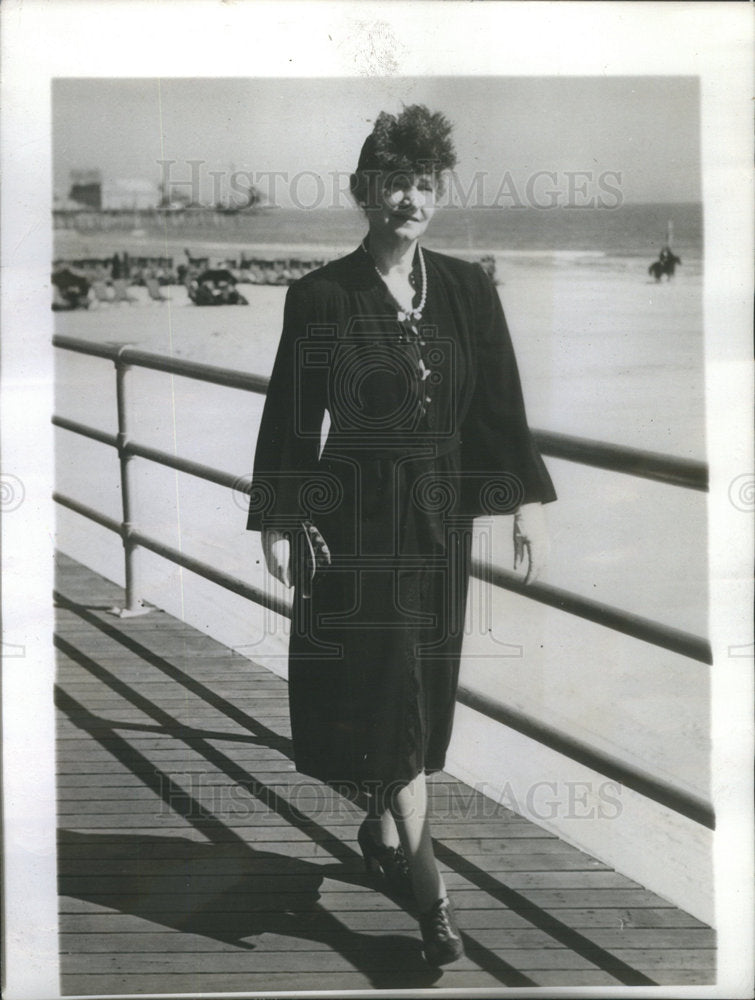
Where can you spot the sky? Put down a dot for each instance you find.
(641, 133)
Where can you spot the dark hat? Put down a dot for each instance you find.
(417, 141)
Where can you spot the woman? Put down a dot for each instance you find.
(406, 353)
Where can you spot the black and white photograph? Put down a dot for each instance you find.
(377, 499)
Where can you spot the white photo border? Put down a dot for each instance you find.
(42, 40)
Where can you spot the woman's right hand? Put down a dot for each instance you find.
(277, 551)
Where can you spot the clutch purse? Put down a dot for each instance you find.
(313, 555)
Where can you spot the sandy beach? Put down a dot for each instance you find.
(604, 353)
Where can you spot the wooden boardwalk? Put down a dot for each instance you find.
(193, 858)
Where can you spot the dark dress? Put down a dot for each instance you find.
(410, 458)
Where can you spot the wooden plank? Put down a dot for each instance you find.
(278, 828)
(74, 864)
(263, 880)
(118, 845)
(227, 801)
(162, 632)
(224, 679)
(148, 902)
(551, 900)
(371, 956)
(121, 721)
(158, 656)
(109, 730)
(225, 685)
(174, 941)
(169, 979)
(277, 774)
(174, 753)
(178, 664)
(120, 724)
(97, 918)
(276, 983)
(191, 747)
(246, 985)
(86, 686)
(625, 942)
(685, 977)
(268, 832)
(115, 643)
(181, 905)
(236, 800)
(84, 661)
(143, 740)
(199, 667)
(566, 979)
(406, 978)
(193, 844)
(273, 705)
(138, 702)
(107, 764)
(277, 771)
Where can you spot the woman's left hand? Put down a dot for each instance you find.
(531, 539)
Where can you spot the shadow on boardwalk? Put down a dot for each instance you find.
(193, 858)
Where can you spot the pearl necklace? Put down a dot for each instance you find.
(411, 315)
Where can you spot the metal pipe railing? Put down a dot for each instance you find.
(618, 458)
(226, 580)
(645, 629)
(666, 469)
(635, 778)
(84, 430)
(89, 512)
(662, 468)
(630, 776)
(137, 358)
(134, 603)
(192, 468)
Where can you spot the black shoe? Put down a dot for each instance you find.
(440, 936)
(388, 863)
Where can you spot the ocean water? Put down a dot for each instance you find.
(621, 238)
(628, 230)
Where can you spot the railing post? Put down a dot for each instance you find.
(134, 604)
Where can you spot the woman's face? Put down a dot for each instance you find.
(405, 207)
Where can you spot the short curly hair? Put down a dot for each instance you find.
(418, 141)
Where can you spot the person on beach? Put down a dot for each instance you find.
(666, 264)
(400, 359)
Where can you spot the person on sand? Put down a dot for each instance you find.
(666, 264)
(408, 353)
